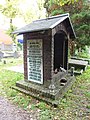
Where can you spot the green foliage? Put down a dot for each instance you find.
(22, 100)
(85, 77)
(60, 2)
(82, 26)
(63, 2)
(45, 115)
(52, 5)
(41, 105)
(84, 53)
(88, 106)
(10, 9)
(9, 32)
(33, 107)
(19, 46)
(56, 12)
(87, 94)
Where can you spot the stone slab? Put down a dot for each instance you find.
(45, 94)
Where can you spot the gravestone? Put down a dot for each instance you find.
(45, 52)
(15, 54)
(1, 55)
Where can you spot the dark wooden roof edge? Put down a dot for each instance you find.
(23, 32)
(72, 28)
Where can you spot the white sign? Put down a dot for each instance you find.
(35, 60)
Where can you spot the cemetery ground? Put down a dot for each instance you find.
(75, 105)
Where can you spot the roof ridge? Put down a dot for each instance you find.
(62, 15)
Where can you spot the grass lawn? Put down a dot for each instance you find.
(75, 104)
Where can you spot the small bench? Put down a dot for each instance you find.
(83, 59)
(78, 64)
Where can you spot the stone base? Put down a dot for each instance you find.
(43, 93)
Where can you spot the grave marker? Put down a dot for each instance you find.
(45, 49)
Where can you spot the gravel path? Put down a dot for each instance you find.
(12, 112)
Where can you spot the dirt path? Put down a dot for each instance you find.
(11, 112)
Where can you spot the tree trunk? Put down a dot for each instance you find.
(72, 47)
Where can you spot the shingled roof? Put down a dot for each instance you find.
(48, 23)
